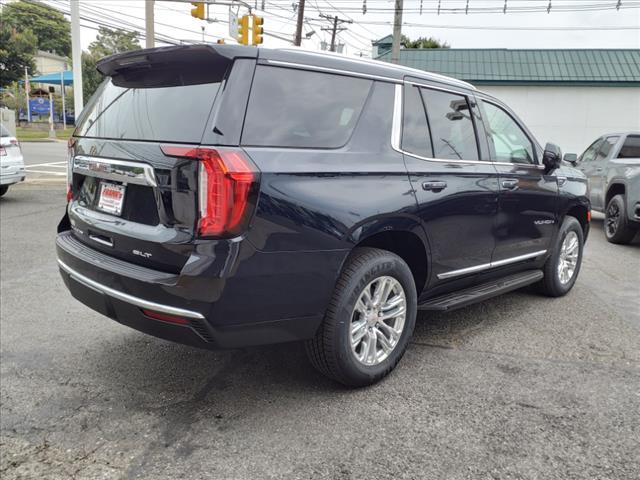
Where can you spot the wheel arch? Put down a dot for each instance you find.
(403, 236)
(616, 187)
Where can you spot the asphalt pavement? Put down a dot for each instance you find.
(518, 387)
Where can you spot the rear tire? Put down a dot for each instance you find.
(617, 228)
(563, 265)
(337, 351)
(3, 189)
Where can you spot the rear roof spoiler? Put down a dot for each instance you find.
(172, 66)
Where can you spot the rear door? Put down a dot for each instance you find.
(456, 191)
(527, 216)
(130, 199)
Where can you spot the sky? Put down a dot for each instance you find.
(611, 28)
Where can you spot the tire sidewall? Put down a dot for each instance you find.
(387, 265)
(569, 224)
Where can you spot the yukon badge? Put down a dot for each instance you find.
(141, 254)
(544, 222)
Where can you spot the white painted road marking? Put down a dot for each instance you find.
(50, 164)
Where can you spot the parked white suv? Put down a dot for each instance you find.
(11, 161)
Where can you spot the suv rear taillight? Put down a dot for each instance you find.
(70, 145)
(226, 181)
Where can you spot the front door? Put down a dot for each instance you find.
(456, 192)
(527, 213)
(594, 166)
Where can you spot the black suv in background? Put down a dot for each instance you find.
(225, 196)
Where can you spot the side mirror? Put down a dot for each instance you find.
(552, 157)
(571, 158)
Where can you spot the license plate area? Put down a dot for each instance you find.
(111, 198)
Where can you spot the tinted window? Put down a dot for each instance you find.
(507, 141)
(606, 147)
(173, 114)
(452, 132)
(415, 131)
(297, 108)
(631, 147)
(590, 153)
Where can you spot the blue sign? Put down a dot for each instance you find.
(39, 106)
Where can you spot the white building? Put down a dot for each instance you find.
(569, 97)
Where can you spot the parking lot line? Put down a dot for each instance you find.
(50, 164)
(62, 174)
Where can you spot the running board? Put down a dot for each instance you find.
(468, 296)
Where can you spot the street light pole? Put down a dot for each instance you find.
(76, 57)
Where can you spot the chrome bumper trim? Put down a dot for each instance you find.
(138, 302)
(487, 266)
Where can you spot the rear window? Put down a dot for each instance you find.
(298, 108)
(169, 114)
(4, 132)
(631, 147)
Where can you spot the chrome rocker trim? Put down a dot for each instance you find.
(118, 170)
(487, 266)
(138, 302)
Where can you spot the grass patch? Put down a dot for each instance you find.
(32, 134)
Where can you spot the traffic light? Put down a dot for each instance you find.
(243, 30)
(256, 32)
(198, 10)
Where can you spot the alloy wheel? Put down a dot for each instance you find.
(612, 219)
(377, 320)
(569, 256)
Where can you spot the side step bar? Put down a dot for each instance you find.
(462, 298)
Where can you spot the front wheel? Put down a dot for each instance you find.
(369, 321)
(563, 265)
(617, 228)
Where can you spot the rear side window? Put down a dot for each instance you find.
(415, 130)
(452, 131)
(631, 147)
(605, 149)
(298, 108)
(170, 114)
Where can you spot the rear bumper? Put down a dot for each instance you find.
(11, 178)
(240, 310)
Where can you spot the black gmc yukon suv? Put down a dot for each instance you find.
(225, 196)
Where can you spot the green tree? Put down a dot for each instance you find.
(16, 52)
(110, 41)
(51, 29)
(422, 42)
(106, 43)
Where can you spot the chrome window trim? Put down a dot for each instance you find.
(304, 66)
(138, 302)
(112, 169)
(396, 132)
(487, 266)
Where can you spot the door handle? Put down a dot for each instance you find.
(434, 186)
(510, 184)
(599, 169)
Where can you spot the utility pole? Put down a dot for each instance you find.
(76, 58)
(298, 38)
(334, 29)
(397, 32)
(149, 24)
